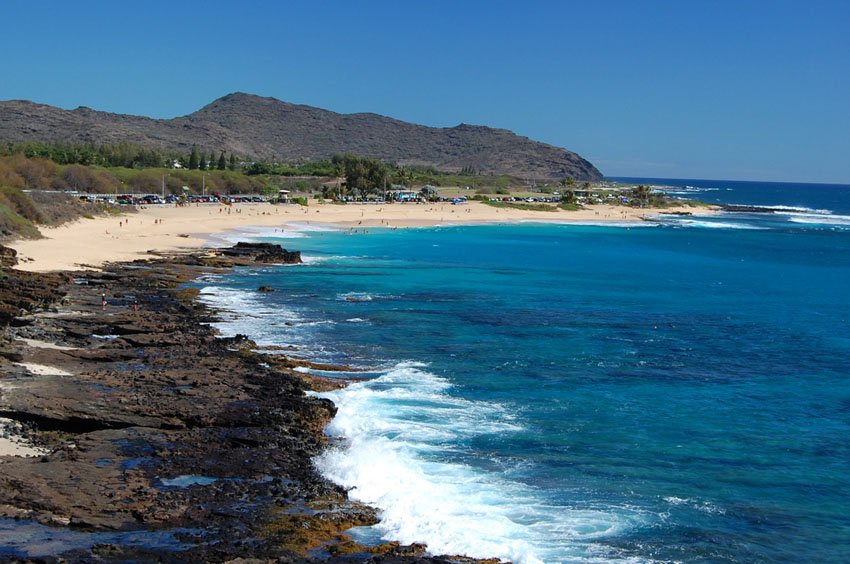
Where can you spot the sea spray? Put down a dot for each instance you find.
(398, 429)
(390, 423)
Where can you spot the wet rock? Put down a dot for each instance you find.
(8, 256)
(263, 253)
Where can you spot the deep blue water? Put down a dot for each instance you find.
(556, 393)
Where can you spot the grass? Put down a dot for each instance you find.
(14, 225)
(570, 207)
(521, 206)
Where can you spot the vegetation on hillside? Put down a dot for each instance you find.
(22, 212)
(129, 169)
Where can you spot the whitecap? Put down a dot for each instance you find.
(801, 209)
(819, 219)
(363, 297)
(702, 224)
(241, 312)
(400, 432)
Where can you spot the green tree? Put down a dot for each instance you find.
(202, 164)
(402, 175)
(232, 164)
(193, 158)
(364, 175)
(640, 194)
(568, 197)
(222, 163)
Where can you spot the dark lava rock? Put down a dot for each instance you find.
(8, 256)
(265, 289)
(262, 252)
(154, 426)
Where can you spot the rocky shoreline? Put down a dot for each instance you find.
(161, 441)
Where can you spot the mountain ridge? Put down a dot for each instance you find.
(268, 128)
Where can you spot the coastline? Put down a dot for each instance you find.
(172, 256)
(151, 437)
(157, 230)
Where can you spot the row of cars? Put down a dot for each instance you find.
(153, 199)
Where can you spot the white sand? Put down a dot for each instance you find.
(42, 369)
(45, 345)
(92, 242)
(15, 444)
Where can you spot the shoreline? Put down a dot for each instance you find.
(149, 426)
(156, 231)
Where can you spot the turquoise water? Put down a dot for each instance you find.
(676, 391)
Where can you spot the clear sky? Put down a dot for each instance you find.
(722, 89)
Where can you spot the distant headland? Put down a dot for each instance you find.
(271, 129)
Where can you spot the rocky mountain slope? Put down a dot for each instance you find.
(268, 128)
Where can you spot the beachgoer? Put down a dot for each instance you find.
(135, 306)
(103, 301)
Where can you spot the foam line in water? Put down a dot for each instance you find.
(819, 219)
(801, 209)
(590, 223)
(266, 321)
(249, 233)
(401, 433)
(240, 312)
(707, 224)
(312, 228)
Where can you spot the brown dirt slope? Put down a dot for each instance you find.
(269, 128)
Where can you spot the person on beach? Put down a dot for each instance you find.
(135, 306)
(103, 301)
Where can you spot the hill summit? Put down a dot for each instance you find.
(271, 129)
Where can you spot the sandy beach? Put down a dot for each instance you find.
(88, 243)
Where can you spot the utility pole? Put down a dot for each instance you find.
(204, 184)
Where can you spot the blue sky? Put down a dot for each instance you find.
(743, 89)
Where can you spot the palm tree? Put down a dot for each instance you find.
(641, 194)
(402, 176)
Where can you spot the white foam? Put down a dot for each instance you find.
(305, 259)
(312, 228)
(401, 433)
(590, 223)
(363, 297)
(819, 219)
(708, 224)
(687, 189)
(249, 233)
(801, 209)
(620, 224)
(241, 312)
(355, 297)
(267, 323)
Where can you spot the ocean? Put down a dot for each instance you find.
(675, 391)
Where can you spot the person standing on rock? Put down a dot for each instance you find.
(103, 301)
(135, 306)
